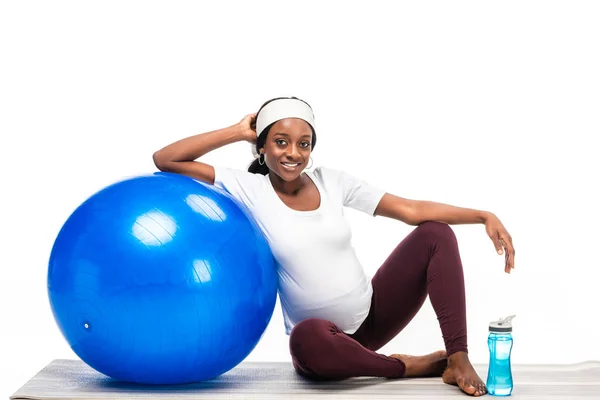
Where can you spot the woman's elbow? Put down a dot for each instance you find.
(159, 161)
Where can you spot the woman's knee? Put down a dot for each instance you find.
(310, 340)
(436, 231)
(313, 349)
(308, 334)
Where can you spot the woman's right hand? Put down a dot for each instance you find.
(248, 127)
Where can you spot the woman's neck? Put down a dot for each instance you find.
(288, 188)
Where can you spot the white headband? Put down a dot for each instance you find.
(283, 108)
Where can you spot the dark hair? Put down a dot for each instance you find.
(255, 166)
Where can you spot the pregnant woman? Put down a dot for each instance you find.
(336, 317)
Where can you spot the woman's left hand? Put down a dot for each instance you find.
(502, 240)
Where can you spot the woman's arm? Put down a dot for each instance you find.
(452, 215)
(415, 212)
(179, 157)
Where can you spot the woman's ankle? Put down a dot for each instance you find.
(459, 357)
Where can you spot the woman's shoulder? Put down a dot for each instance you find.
(325, 170)
(339, 177)
(329, 176)
(329, 173)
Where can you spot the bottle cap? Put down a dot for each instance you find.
(502, 325)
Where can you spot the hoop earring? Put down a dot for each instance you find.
(311, 163)
(263, 158)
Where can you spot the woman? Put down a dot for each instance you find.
(337, 318)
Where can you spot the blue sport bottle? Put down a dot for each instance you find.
(500, 341)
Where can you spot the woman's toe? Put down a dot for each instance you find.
(468, 387)
(480, 390)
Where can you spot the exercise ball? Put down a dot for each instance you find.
(161, 279)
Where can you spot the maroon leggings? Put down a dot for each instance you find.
(426, 262)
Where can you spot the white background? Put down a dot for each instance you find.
(490, 105)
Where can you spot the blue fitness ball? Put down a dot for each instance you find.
(161, 279)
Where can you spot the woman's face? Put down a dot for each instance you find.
(287, 147)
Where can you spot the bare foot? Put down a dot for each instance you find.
(432, 364)
(461, 373)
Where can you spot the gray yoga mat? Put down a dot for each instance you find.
(72, 379)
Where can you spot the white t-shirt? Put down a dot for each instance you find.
(319, 273)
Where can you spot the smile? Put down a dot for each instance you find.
(290, 166)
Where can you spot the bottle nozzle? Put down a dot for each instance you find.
(502, 324)
(507, 320)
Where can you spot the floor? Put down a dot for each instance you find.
(72, 379)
